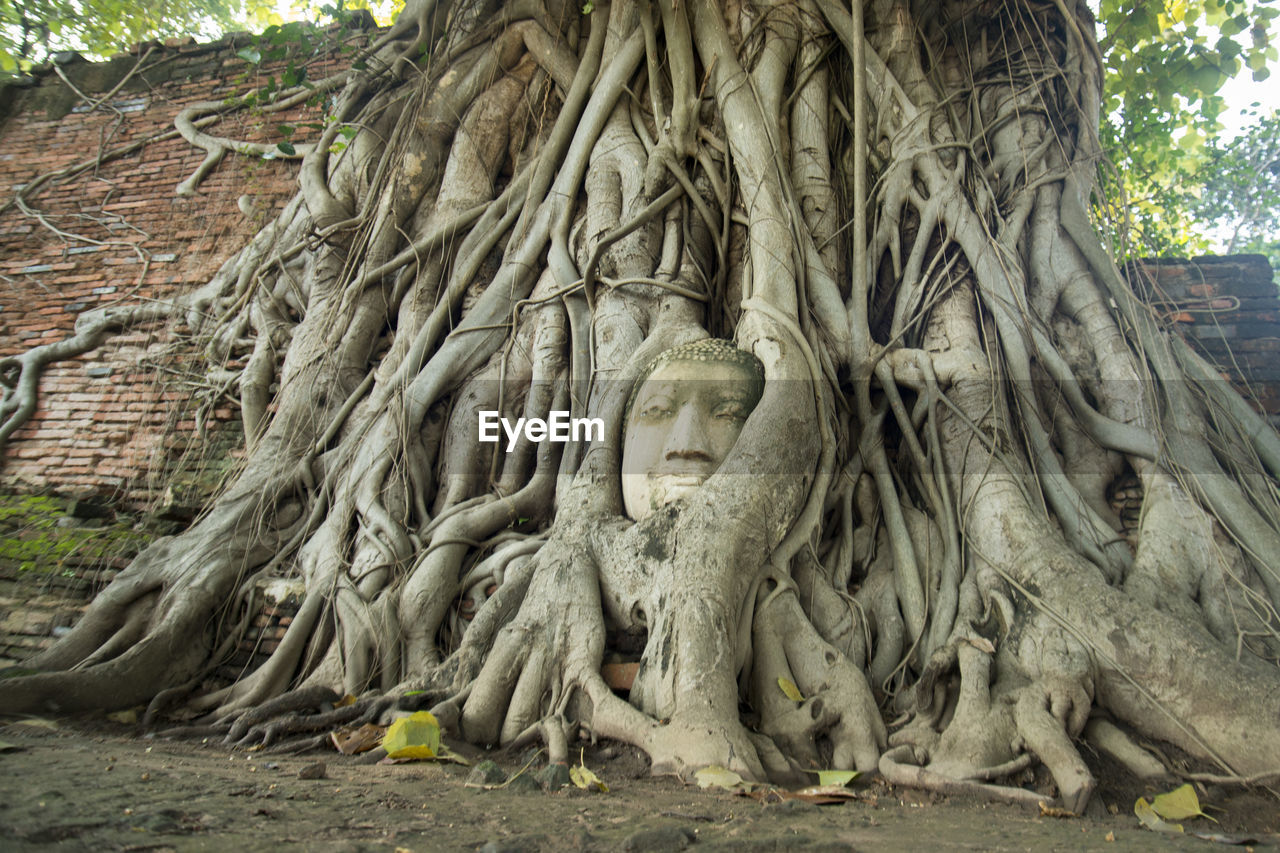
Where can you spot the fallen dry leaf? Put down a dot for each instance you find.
(1053, 811)
(356, 741)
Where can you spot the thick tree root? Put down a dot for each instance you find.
(534, 204)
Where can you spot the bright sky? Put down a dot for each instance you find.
(298, 10)
(1241, 92)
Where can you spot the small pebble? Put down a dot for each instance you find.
(312, 771)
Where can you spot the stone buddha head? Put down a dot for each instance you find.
(684, 415)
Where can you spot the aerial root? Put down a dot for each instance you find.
(307, 697)
(994, 731)
(271, 726)
(269, 732)
(1047, 739)
(837, 704)
(903, 765)
(1106, 737)
(133, 628)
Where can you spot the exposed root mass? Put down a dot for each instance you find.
(891, 214)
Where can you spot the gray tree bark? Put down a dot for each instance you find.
(889, 207)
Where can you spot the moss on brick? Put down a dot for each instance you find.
(38, 537)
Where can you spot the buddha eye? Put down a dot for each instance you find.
(730, 410)
(656, 408)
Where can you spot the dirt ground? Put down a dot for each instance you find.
(92, 785)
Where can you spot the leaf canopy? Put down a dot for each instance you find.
(1166, 64)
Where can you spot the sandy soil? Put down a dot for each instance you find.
(90, 785)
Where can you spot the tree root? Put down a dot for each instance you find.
(901, 766)
(913, 515)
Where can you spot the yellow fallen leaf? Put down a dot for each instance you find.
(345, 701)
(790, 690)
(127, 717)
(1179, 804)
(582, 776)
(718, 777)
(835, 777)
(1151, 820)
(413, 753)
(415, 737)
(35, 722)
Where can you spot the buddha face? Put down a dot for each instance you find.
(684, 419)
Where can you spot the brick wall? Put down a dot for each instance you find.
(113, 422)
(1227, 308)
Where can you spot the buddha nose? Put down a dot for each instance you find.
(688, 436)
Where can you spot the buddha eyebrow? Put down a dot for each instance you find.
(650, 398)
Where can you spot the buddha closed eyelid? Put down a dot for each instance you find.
(733, 399)
(654, 405)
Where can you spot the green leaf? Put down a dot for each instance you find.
(582, 776)
(348, 131)
(1179, 804)
(286, 148)
(416, 736)
(250, 54)
(715, 776)
(838, 778)
(790, 690)
(1151, 820)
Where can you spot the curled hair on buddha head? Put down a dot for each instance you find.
(705, 349)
